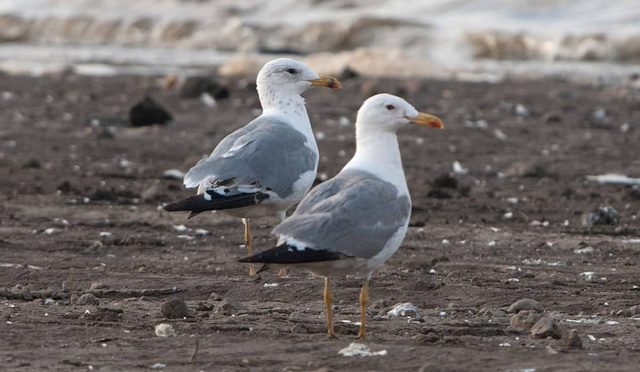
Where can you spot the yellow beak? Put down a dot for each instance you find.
(426, 120)
(326, 81)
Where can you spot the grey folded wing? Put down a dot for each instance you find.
(354, 214)
(264, 155)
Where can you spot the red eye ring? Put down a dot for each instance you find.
(390, 107)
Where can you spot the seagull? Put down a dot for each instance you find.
(267, 166)
(355, 221)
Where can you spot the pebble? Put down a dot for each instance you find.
(148, 112)
(459, 169)
(196, 86)
(525, 304)
(164, 330)
(606, 215)
(361, 350)
(445, 181)
(227, 307)
(98, 285)
(88, 299)
(521, 110)
(524, 319)
(175, 309)
(348, 73)
(546, 327)
(173, 174)
(573, 339)
(406, 309)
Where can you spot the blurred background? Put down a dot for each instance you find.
(472, 40)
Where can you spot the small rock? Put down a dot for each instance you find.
(196, 86)
(525, 304)
(348, 73)
(406, 309)
(98, 285)
(524, 319)
(573, 339)
(599, 114)
(459, 169)
(632, 311)
(546, 327)
(214, 296)
(529, 169)
(175, 309)
(104, 314)
(445, 181)
(552, 117)
(584, 250)
(429, 338)
(148, 112)
(88, 299)
(521, 111)
(606, 215)
(173, 174)
(32, 163)
(164, 330)
(361, 350)
(227, 308)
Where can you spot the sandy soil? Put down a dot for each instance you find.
(79, 213)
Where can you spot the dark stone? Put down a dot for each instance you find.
(348, 73)
(148, 112)
(66, 187)
(525, 304)
(195, 86)
(175, 309)
(573, 339)
(87, 299)
(445, 181)
(606, 215)
(104, 195)
(546, 327)
(32, 163)
(552, 117)
(524, 320)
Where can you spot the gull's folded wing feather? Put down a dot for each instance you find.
(354, 214)
(267, 155)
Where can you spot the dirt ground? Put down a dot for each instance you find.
(80, 213)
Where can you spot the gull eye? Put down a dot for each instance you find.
(292, 71)
(390, 107)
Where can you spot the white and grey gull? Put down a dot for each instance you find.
(355, 221)
(267, 166)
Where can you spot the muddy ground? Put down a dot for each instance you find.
(80, 213)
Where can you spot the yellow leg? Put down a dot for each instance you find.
(328, 303)
(248, 241)
(282, 273)
(364, 301)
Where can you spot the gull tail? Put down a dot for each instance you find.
(211, 201)
(290, 254)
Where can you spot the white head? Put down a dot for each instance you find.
(388, 113)
(284, 77)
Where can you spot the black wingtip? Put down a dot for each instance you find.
(213, 201)
(289, 254)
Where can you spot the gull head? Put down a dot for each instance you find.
(292, 77)
(389, 113)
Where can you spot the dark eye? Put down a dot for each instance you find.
(292, 70)
(390, 107)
